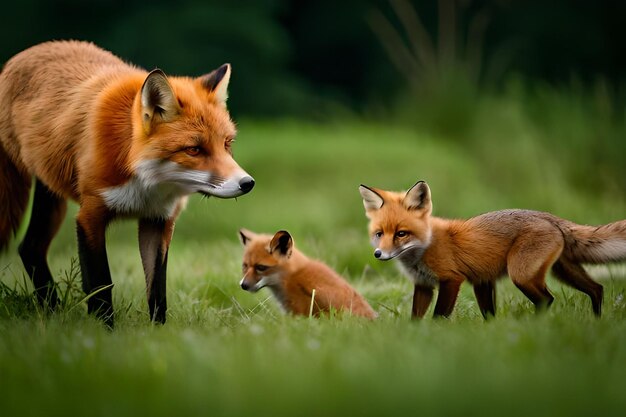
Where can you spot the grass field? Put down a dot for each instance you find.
(227, 352)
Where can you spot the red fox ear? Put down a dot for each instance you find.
(245, 236)
(282, 243)
(217, 82)
(418, 198)
(158, 101)
(371, 199)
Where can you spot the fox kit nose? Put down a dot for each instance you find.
(244, 285)
(378, 253)
(245, 185)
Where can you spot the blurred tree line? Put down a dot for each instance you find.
(310, 57)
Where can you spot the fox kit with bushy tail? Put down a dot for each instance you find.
(118, 140)
(296, 281)
(521, 243)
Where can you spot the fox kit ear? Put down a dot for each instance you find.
(158, 101)
(282, 243)
(217, 82)
(245, 236)
(418, 198)
(371, 199)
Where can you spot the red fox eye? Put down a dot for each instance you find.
(378, 234)
(260, 268)
(228, 144)
(193, 151)
(401, 233)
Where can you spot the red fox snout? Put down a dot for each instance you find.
(383, 255)
(239, 184)
(155, 173)
(256, 277)
(248, 284)
(410, 247)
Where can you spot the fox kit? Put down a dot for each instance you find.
(522, 243)
(118, 140)
(274, 262)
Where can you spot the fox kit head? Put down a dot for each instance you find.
(399, 222)
(265, 258)
(183, 136)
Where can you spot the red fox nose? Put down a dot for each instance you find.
(377, 253)
(246, 184)
(244, 285)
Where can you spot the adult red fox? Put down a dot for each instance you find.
(522, 243)
(121, 142)
(274, 262)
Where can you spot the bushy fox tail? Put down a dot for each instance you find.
(14, 192)
(596, 245)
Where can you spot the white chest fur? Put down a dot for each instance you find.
(134, 198)
(279, 294)
(412, 266)
(155, 190)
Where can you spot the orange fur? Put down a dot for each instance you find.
(274, 262)
(521, 243)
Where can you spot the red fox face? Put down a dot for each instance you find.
(264, 258)
(399, 222)
(182, 144)
(188, 135)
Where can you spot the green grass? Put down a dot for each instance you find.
(228, 352)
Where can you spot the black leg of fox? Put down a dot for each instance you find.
(575, 275)
(422, 296)
(94, 264)
(537, 294)
(486, 297)
(448, 291)
(154, 240)
(47, 215)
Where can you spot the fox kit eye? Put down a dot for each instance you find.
(378, 234)
(193, 150)
(261, 268)
(228, 143)
(402, 233)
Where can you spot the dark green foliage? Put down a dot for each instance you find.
(299, 56)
